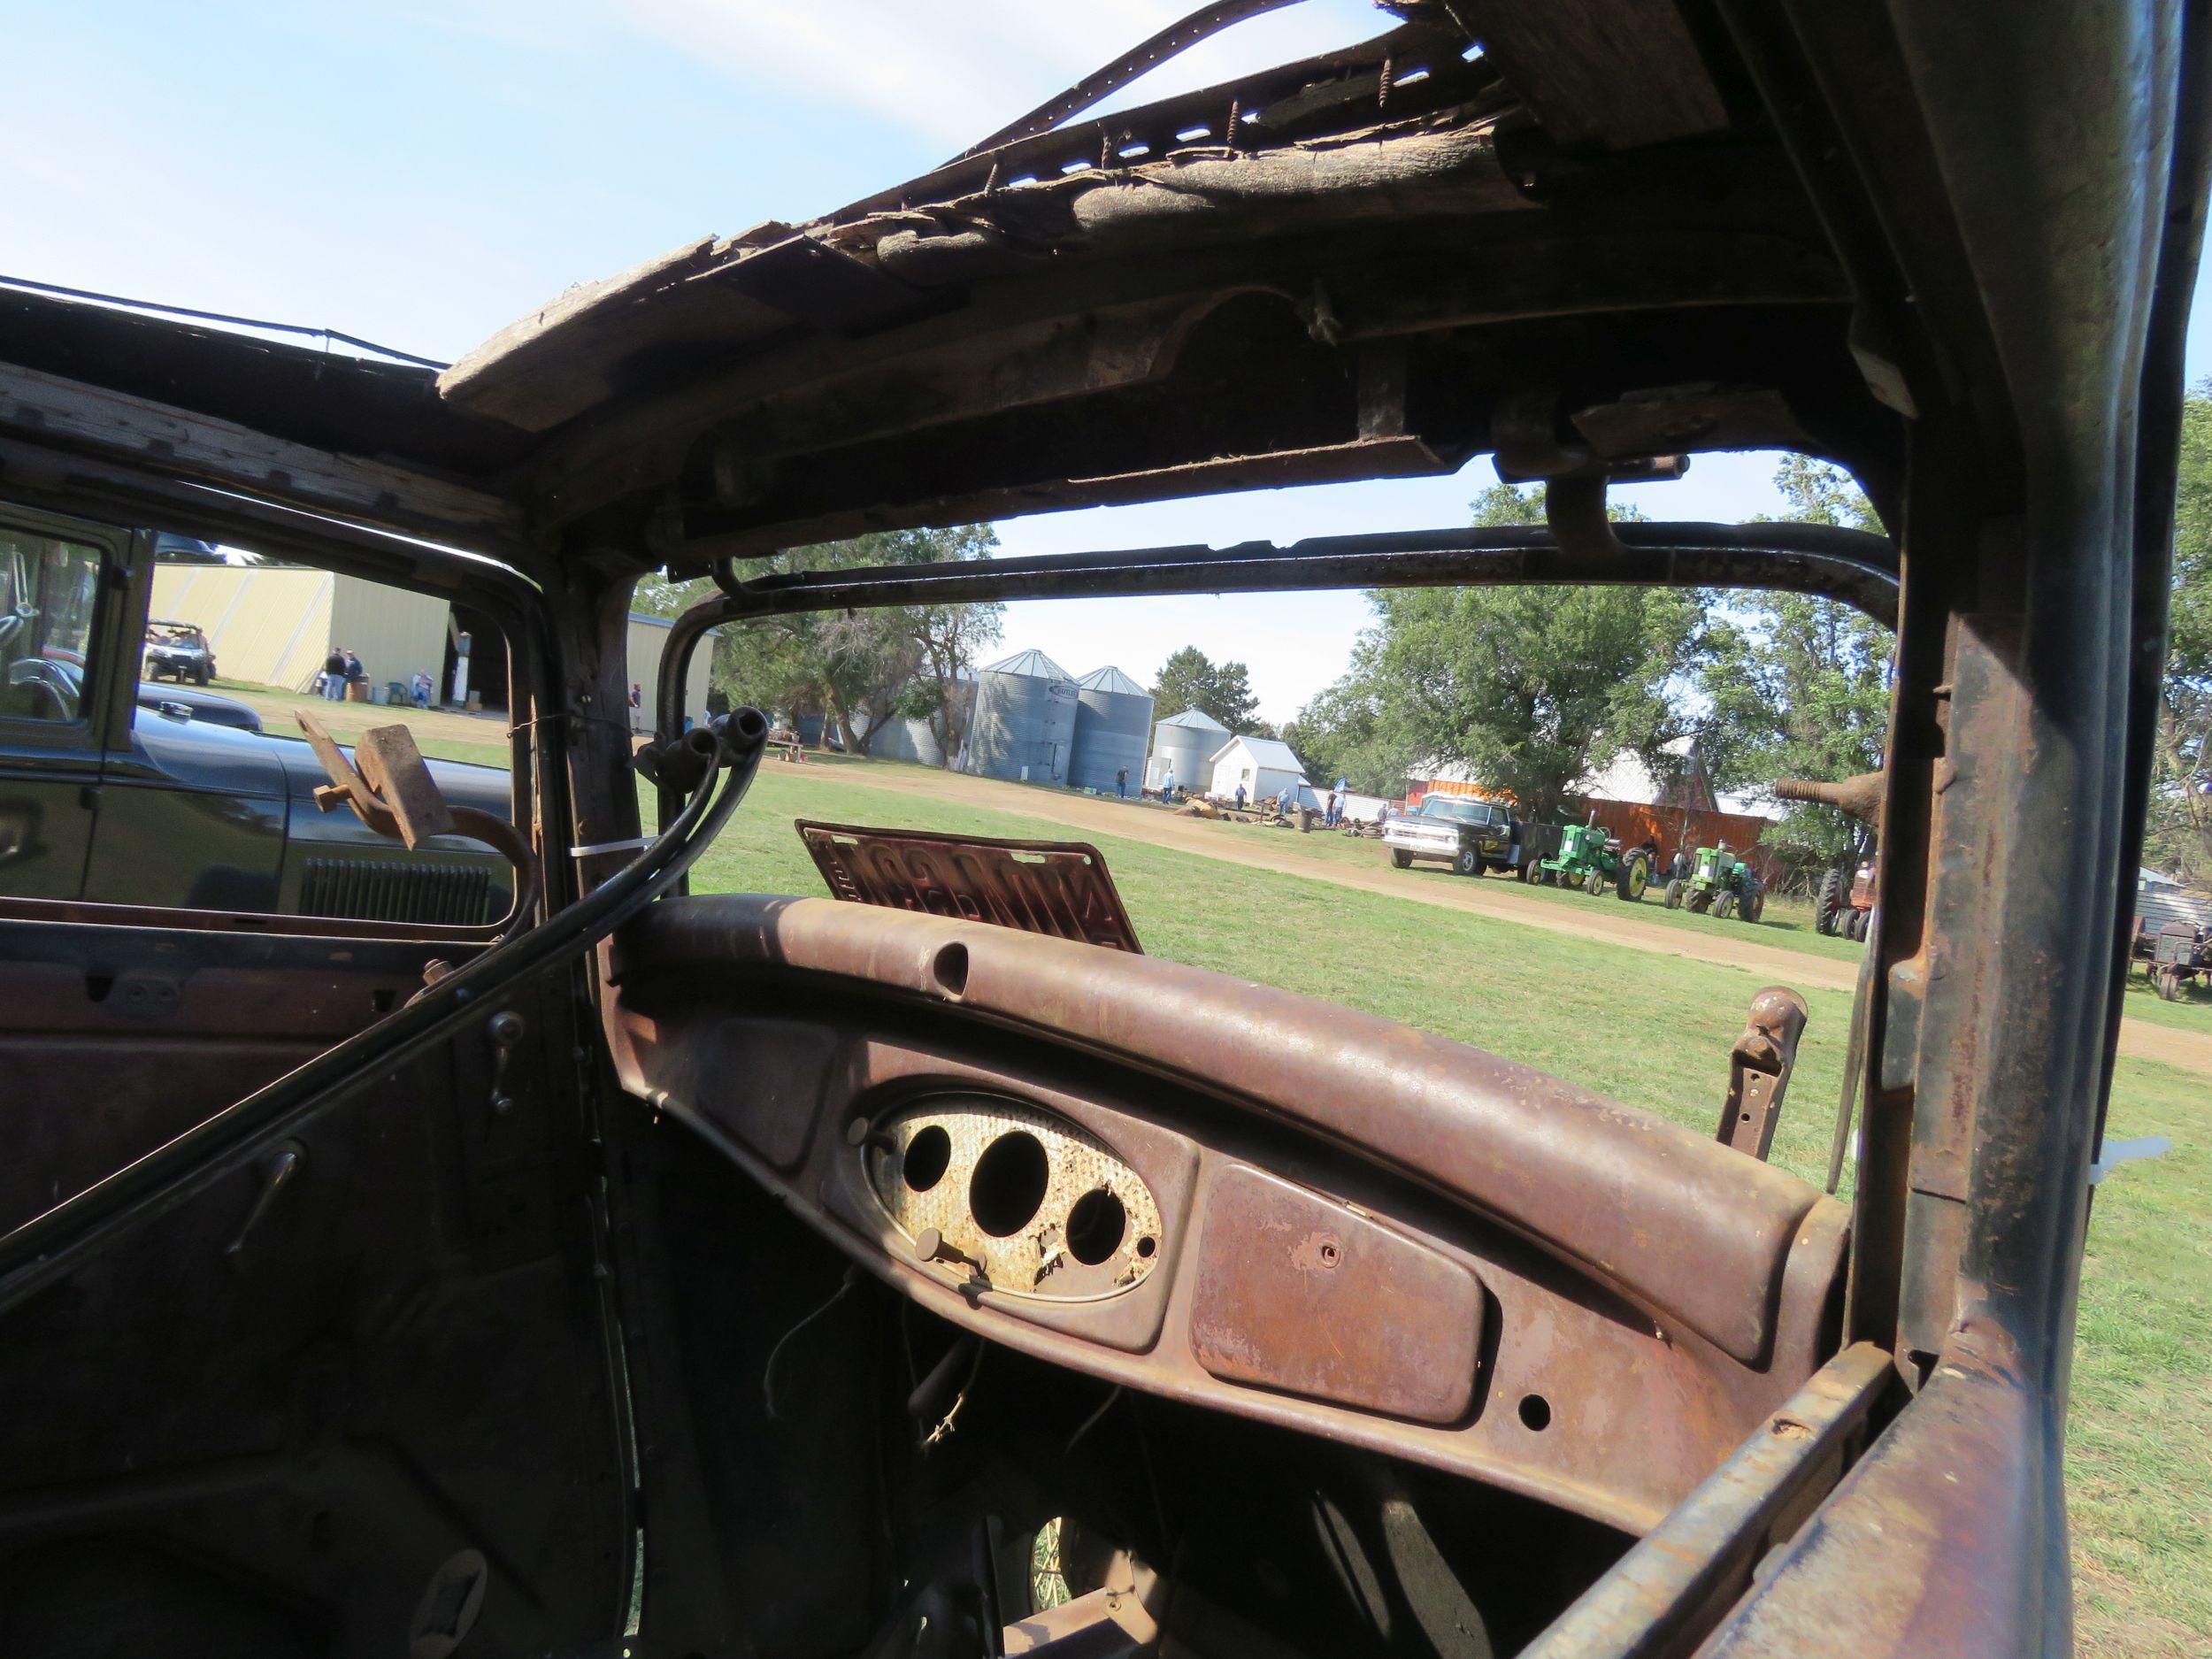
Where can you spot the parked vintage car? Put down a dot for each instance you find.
(116, 790)
(741, 1273)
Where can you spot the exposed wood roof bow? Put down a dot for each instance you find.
(1406, 125)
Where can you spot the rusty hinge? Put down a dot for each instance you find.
(1758, 1070)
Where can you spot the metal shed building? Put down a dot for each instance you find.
(1186, 744)
(1265, 767)
(1024, 726)
(1113, 717)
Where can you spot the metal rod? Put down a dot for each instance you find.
(1851, 566)
(1645, 1604)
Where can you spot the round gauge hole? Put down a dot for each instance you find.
(926, 1156)
(1009, 1183)
(1096, 1226)
(1147, 1245)
(1535, 1412)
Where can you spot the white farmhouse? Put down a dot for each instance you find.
(1262, 765)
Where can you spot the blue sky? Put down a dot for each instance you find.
(421, 173)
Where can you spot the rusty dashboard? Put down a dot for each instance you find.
(1140, 1169)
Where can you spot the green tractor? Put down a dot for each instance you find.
(1591, 860)
(1720, 883)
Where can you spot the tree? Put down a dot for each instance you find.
(1799, 686)
(1530, 688)
(858, 667)
(1341, 733)
(1191, 680)
(2177, 833)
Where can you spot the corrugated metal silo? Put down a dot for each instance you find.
(1024, 720)
(1187, 742)
(904, 738)
(1113, 719)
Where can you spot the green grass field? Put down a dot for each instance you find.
(1656, 1030)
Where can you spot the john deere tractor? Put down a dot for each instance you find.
(1721, 884)
(1590, 860)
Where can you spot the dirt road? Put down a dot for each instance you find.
(1504, 900)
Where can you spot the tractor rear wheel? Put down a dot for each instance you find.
(1630, 879)
(1757, 906)
(1830, 904)
(1400, 859)
(1674, 892)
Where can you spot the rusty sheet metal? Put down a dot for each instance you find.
(1062, 889)
(1646, 1604)
(1935, 1544)
(1739, 1252)
(1759, 1070)
(1300, 1293)
(771, 1067)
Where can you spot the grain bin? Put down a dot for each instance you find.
(1024, 720)
(1187, 742)
(900, 737)
(1113, 719)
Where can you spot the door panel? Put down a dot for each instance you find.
(305, 1414)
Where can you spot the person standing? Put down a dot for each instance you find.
(354, 673)
(335, 674)
(1167, 786)
(1121, 783)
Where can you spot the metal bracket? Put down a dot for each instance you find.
(1759, 1070)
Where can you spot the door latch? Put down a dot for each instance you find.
(506, 1029)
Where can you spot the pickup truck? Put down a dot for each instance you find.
(1469, 834)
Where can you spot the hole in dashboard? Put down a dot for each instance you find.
(926, 1158)
(1009, 1183)
(1535, 1412)
(950, 966)
(1097, 1223)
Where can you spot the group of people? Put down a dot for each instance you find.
(341, 669)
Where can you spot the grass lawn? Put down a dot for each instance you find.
(1656, 1031)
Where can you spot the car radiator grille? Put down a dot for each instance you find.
(391, 890)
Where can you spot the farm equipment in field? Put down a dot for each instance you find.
(1590, 859)
(1720, 884)
(1845, 904)
(1845, 909)
(2172, 954)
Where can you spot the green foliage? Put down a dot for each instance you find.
(1799, 686)
(858, 668)
(1191, 680)
(1342, 733)
(2178, 835)
(1529, 689)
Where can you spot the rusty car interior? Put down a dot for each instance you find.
(661, 1274)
